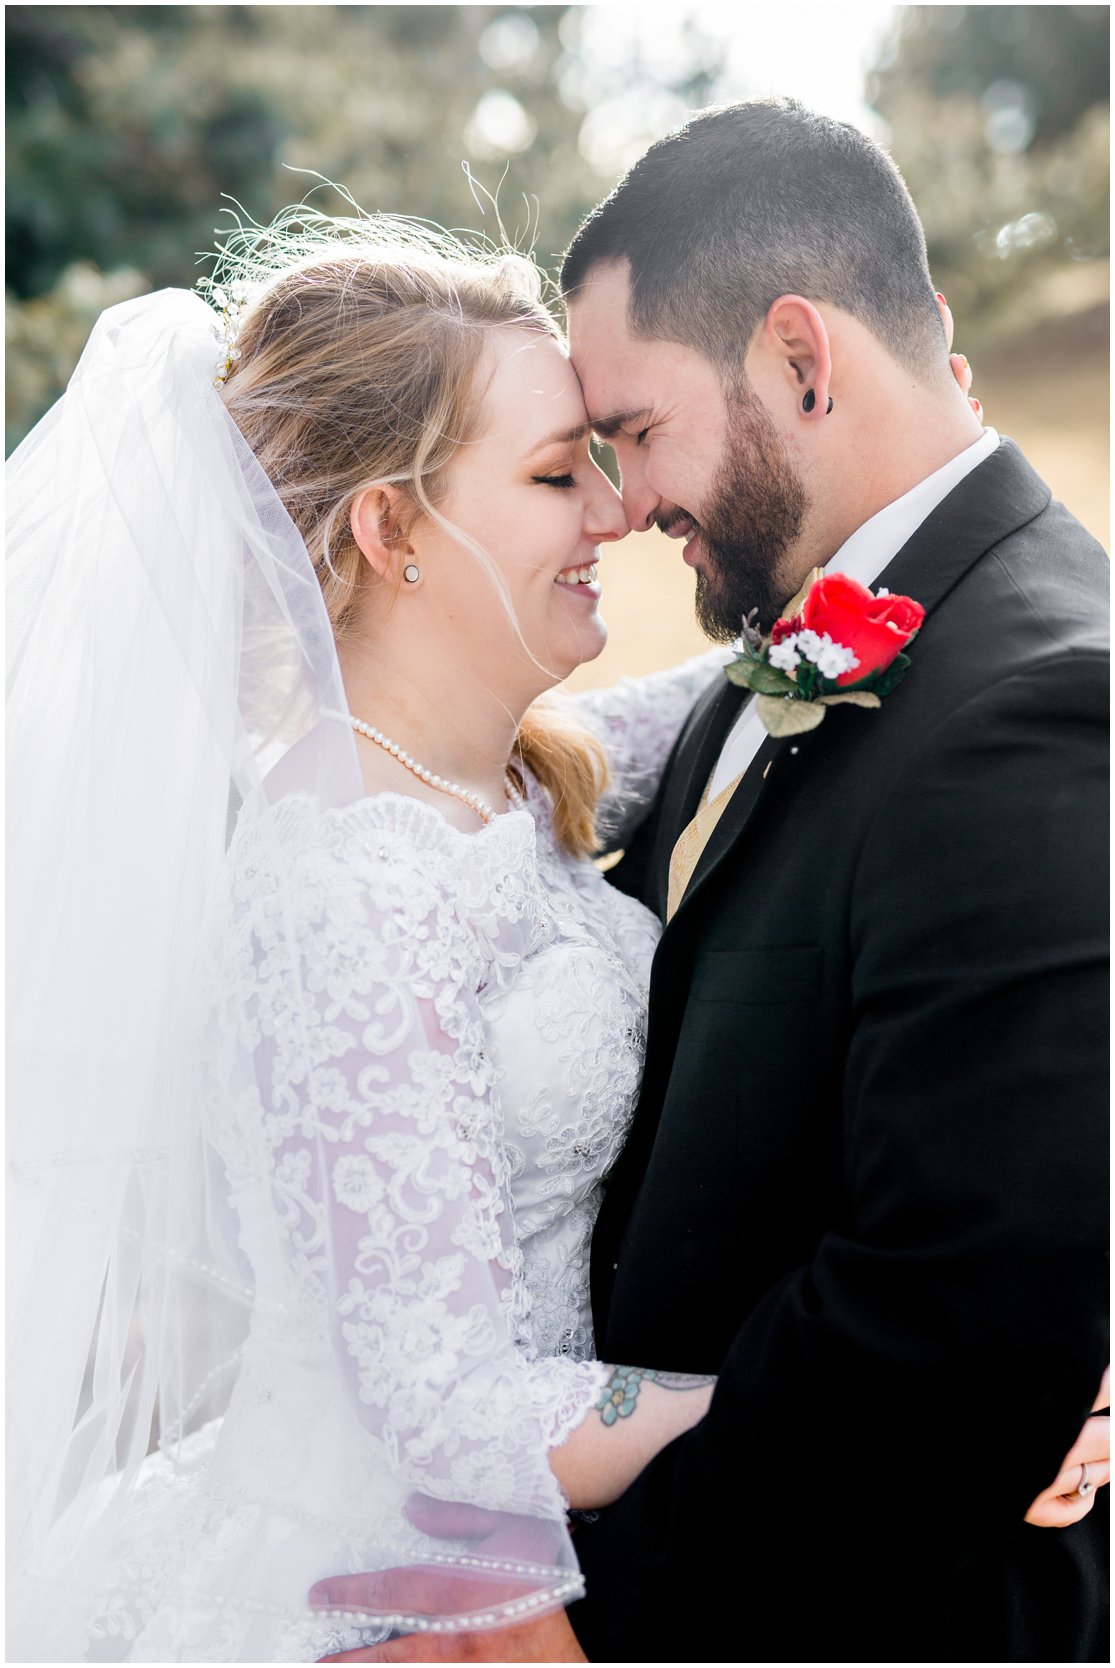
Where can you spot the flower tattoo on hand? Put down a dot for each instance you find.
(619, 1395)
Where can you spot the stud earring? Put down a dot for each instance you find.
(809, 400)
(411, 574)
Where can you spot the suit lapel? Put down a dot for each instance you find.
(708, 727)
(994, 500)
(696, 752)
(736, 815)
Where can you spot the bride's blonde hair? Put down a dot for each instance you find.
(359, 359)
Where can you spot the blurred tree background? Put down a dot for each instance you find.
(999, 120)
(126, 125)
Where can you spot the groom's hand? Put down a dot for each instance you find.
(437, 1590)
(1062, 1504)
(547, 1639)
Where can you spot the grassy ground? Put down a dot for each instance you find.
(1049, 394)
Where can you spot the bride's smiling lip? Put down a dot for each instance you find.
(581, 579)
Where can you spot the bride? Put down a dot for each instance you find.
(310, 1136)
(326, 1026)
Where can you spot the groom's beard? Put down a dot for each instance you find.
(755, 515)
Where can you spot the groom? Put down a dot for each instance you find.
(864, 1183)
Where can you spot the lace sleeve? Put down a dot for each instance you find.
(638, 720)
(377, 1125)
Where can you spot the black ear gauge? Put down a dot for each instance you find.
(809, 400)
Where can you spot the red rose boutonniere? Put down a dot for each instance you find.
(845, 646)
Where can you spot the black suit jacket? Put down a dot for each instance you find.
(865, 1183)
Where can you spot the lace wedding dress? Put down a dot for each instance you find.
(445, 1034)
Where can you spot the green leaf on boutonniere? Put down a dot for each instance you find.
(851, 698)
(739, 673)
(892, 677)
(764, 680)
(788, 718)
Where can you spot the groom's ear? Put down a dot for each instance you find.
(795, 340)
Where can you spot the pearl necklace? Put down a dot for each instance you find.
(473, 800)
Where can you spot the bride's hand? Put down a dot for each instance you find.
(1062, 1504)
(640, 1411)
(959, 365)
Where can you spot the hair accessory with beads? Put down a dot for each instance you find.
(227, 327)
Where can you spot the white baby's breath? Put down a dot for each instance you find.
(784, 655)
(831, 659)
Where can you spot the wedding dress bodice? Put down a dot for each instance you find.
(445, 1032)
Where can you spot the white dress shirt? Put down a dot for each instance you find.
(863, 557)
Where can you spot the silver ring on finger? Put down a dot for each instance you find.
(1084, 1487)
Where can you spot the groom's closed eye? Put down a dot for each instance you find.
(606, 428)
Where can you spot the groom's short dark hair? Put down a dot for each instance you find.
(752, 201)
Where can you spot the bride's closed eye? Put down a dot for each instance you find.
(555, 480)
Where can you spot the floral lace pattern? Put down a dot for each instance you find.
(424, 1051)
(372, 1180)
(638, 720)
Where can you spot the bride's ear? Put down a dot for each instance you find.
(376, 519)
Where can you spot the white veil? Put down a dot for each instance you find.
(168, 646)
